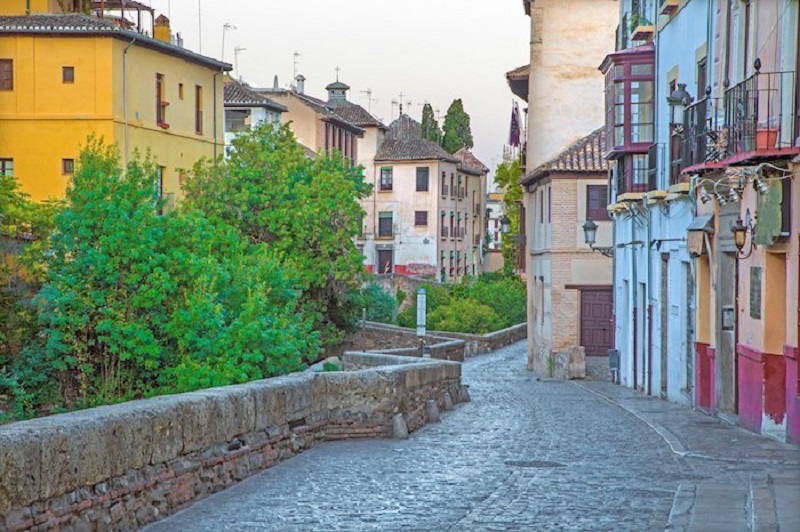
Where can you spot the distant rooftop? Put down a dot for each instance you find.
(76, 24)
(584, 156)
(236, 94)
(404, 142)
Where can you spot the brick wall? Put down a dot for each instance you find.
(123, 466)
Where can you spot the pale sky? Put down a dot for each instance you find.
(428, 50)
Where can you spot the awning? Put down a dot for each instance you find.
(703, 224)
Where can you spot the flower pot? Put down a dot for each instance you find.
(766, 138)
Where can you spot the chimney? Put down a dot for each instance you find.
(301, 84)
(161, 30)
(275, 85)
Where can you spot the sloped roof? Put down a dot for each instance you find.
(237, 94)
(404, 142)
(355, 114)
(77, 24)
(584, 156)
(518, 80)
(469, 159)
(328, 112)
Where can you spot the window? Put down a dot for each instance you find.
(180, 91)
(386, 178)
(68, 74)
(237, 120)
(630, 104)
(198, 109)
(6, 74)
(161, 104)
(67, 166)
(422, 179)
(7, 167)
(420, 217)
(385, 224)
(596, 202)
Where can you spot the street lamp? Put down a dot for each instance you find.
(740, 229)
(590, 236)
(678, 101)
(505, 225)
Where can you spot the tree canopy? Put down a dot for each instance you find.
(508, 176)
(430, 127)
(457, 132)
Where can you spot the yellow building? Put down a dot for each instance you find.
(66, 76)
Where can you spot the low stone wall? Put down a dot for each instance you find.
(391, 339)
(443, 345)
(123, 466)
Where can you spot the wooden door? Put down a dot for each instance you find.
(596, 314)
(385, 262)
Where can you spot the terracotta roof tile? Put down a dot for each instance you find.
(469, 160)
(586, 155)
(404, 142)
(237, 94)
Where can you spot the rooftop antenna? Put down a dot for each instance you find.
(225, 27)
(296, 64)
(236, 52)
(401, 103)
(199, 27)
(370, 99)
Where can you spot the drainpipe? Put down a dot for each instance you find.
(125, 94)
(726, 80)
(214, 82)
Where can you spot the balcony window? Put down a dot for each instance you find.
(386, 178)
(630, 99)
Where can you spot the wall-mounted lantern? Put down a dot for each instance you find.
(740, 229)
(678, 101)
(590, 236)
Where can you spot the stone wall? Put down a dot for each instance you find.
(391, 339)
(123, 466)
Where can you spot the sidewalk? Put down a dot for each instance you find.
(769, 501)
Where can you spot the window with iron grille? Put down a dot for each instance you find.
(420, 217)
(6, 74)
(596, 202)
(385, 224)
(386, 178)
(67, 166)
(422, 179)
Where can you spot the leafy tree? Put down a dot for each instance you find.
(465, 315)
(138, 303)
(457, 132)
(381, 306)
(508, 176)
(306, 211)
(430, 127)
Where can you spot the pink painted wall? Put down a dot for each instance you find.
(792, 394)
(704, 377)
(751, 392)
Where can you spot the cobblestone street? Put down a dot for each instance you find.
(526, 454)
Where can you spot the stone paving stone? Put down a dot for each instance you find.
(527, 454)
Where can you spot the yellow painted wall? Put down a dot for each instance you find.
(306, 123)
(19, 7)
(44, 120)
(179, 146)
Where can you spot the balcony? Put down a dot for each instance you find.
(444, 190)
(641, 27)
(668, 7)
(757, 118)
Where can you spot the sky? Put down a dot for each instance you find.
(428, 50)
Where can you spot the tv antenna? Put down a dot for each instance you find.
(370, 99)
(236, 52)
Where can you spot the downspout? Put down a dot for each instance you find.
(726, 80)
(214, 81)
(125, 94)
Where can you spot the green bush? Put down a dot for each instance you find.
(488, 303)
(380, 305)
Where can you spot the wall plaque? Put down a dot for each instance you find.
(755, 293)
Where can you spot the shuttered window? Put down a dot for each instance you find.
(596, 202)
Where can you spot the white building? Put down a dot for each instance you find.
(245, 109)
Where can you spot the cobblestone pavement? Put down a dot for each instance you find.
(526, 454)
